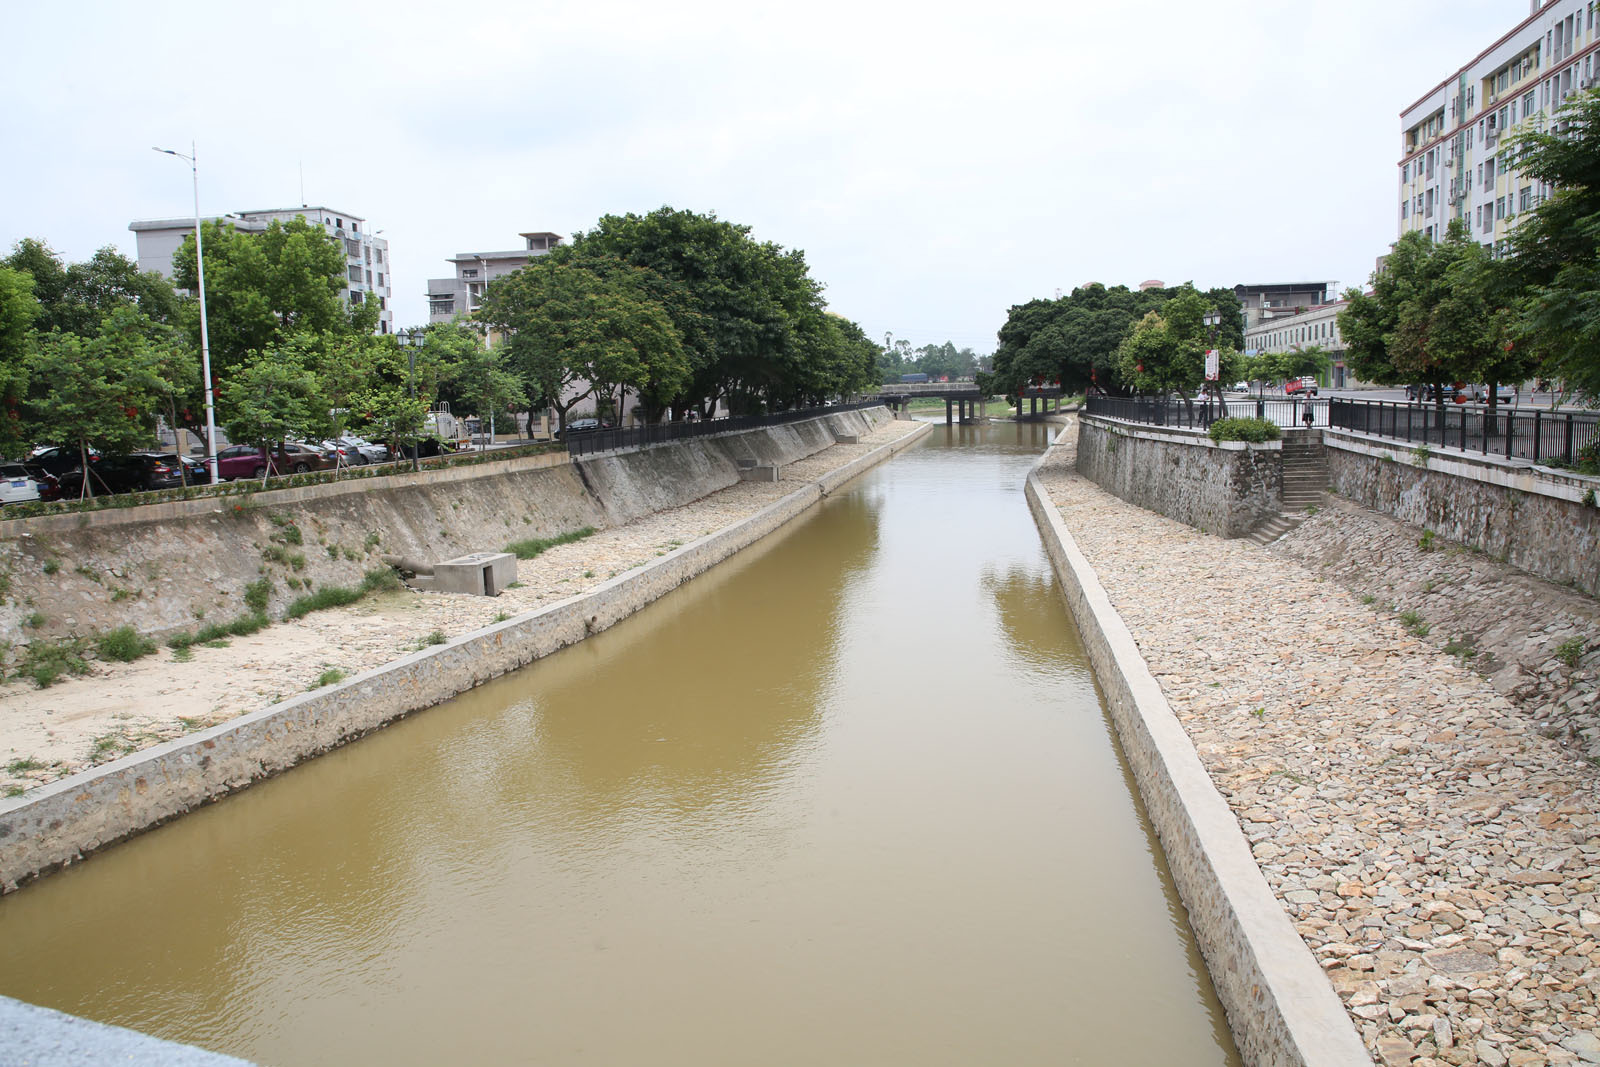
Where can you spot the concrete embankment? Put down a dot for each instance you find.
(1280, 1006)
(163, 567)
(55, 824)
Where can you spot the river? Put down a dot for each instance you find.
(850, 797)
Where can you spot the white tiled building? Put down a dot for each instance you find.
(1453, 162)
(366, 256)
(461, 295)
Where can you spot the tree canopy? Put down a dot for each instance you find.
(1075, 339)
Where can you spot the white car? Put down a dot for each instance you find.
(18, 484)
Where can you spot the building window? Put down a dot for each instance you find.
(1525, 199)
(355, 296)
(1405, 208)
(380, 255)
(1527, 103)
(355, 274)
(473, 273)
(380, 279)
(369, 277)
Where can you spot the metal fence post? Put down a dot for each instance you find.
(1537, 438)
(1511, 430)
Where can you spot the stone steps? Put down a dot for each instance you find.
(1305, 479)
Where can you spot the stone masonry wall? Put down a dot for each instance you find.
(1530, 517)
(1222, 488)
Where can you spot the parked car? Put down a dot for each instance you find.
(1306, 386)
(21, 483)
(246, 461)
(357, 451)
(1505, 394)
(584, 426)
(59, 460)
(134, 473)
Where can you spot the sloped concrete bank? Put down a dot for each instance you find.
(161, 568)
(1280, 1006)
(56, 824)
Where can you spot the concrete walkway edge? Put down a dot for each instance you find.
(57, 824)
(1280, 1005)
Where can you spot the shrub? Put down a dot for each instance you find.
(1249, 429)
(124, 644)
(327, 677)
(1570, 651)
(256, 594)
(1420, 455)
(46, 661)
(329, 596)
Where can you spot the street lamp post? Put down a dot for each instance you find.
(205, 338)
(1213, 320)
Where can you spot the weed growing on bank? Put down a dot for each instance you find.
(534, 545)
(124, 645)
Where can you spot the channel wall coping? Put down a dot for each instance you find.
(59, 823)
(1280, 1005)
(43, 1037)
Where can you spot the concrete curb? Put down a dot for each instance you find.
(57, 824)
(1280, 1006)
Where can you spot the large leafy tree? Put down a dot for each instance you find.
(748, 312)
(1554, 265)
(1075, 339)
(276, 394)
(1433, 316)
(97, 392)
(1165, 353)
(76, 297)
(264, 288)
(18, 310)
(575, 332)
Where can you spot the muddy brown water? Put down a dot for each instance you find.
(850, 797)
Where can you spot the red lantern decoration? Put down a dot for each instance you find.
(1139, 367)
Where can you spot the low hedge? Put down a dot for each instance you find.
(1249, 429)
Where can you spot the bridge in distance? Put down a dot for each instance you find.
(964, 402)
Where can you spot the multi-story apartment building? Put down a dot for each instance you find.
(1454, 163)
(461, 295)
(366, 255)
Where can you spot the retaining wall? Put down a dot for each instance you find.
(1226, 488)
(1530, 516)
(1280, 1006)
(56, 824)
(161, 568)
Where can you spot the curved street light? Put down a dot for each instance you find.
(205, 339)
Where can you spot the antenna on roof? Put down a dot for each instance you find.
(302, 183)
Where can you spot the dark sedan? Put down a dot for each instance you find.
(134, 473)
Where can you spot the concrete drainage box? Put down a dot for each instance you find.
(483, 573)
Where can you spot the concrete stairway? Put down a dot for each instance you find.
(1305, 479)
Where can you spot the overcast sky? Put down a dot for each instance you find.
(937, 165)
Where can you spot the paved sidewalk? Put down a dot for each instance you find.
(1435, 851)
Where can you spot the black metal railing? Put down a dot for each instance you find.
(1516, 433)
(1200, 414)
(586, 442)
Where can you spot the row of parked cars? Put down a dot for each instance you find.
(56, 472)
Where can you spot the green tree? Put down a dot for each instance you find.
(1553, 270)
(1165, 353)
(76, 297)
(18, 310)
(1432, 316)
(264, 288)
(275, 394)
(486, 384)
(573, 332)
(96, 392)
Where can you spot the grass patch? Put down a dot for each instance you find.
(435, 638)
(51, 566)
(534, 545)
(1425, 542)
(182, 655)
(1462, 647)
(1420, 455)
(256, 595)
(1368, 599)
(124, 645)
(34, 621)
(23, 766)
(377, 580)
(1570, 652)
(327, 677)
(1413, 622)
(119, 594)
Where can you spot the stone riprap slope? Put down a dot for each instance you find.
(1435, 851)
(1538, 643)
(119, 708)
